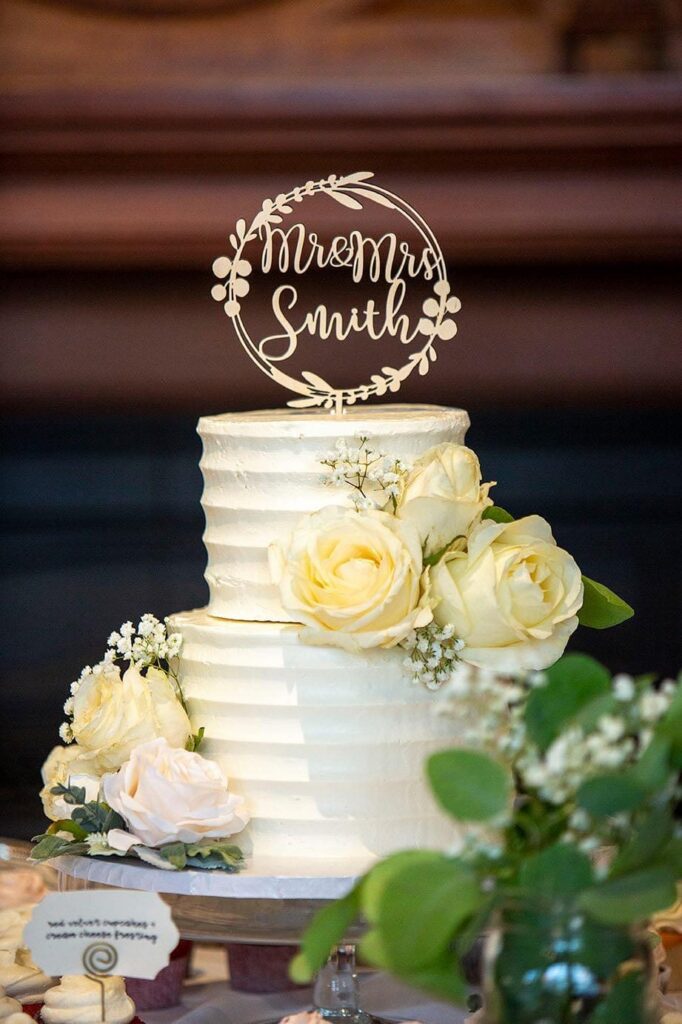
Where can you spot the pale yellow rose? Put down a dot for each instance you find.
(355, 579)
(512, 596)
(112, 714)
(443, 495)
(167, 795)
(64, 764)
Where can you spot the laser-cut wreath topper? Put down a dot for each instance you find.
(387, 259)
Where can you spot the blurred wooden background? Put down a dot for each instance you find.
(541, 138)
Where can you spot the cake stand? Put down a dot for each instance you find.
(264, 903)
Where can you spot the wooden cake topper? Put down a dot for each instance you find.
(388, 260)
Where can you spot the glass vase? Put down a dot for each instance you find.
(553, 965)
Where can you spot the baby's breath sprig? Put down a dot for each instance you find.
(151, 645)
(375, 478)
(433, 654)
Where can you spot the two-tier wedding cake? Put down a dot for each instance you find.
(327, 746)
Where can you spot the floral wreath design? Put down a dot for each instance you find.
(434, 325)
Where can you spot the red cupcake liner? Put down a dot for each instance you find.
(32, 1009)
(165, 990)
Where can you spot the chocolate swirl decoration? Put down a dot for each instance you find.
(100, 958)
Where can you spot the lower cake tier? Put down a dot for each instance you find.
(327, 748)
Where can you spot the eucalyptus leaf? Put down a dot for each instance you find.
(602, 608)
(573, 684)
(210, 853)
(651, 836)
(327, 929)
(175, 854)
(498, 514)
(626, 1003)
(469, 785)
(611, 793)
(558, 873)
(442, 979)
(670, 728)
(421, 910)
(382, 874)
(97, 817)
(372, 951)
(671, 856)
(632, 897)
(72, 794)
(48, 846)
(654, 767)
(67, 825)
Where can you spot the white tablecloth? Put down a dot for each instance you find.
(208, 999)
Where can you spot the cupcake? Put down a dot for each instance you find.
(13, 920)
(11, 1011)
(79, 1000)
(165, 990)
(23, 980)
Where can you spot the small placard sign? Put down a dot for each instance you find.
(102, 932)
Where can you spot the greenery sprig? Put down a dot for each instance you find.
(424, 909)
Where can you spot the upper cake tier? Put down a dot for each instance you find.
(262, 471)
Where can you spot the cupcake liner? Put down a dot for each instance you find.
(32, 1009)
(260, 968)
(165, 990)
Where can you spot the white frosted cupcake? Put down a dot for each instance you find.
(12, 923)
(78, 1000)
(23, 980)
(11, 1011)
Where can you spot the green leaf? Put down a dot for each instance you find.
(67, 825)
(48, 846)
(97, 817)
(650, 838)
(442, 979)
(381, 875)
(195, 740)
(372, 952)
(671, 856)
(215, 853)
(72, 794)
(614, 792)
(626, 1002)
(434, 559)
(654, 767)
(327, 930)
(421, 910)
(602, 608)
(670, 727)
(611, 793)
(468, 785)
(558, 873)
(497, 514)
(175, 854)
(632, 897)
(573, 683)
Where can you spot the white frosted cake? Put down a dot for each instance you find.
(326, 746)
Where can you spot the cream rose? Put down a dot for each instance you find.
(512, 597)
(353, 578)
(63, 765)
(443, 495)
(112, 715)
(167, 795)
